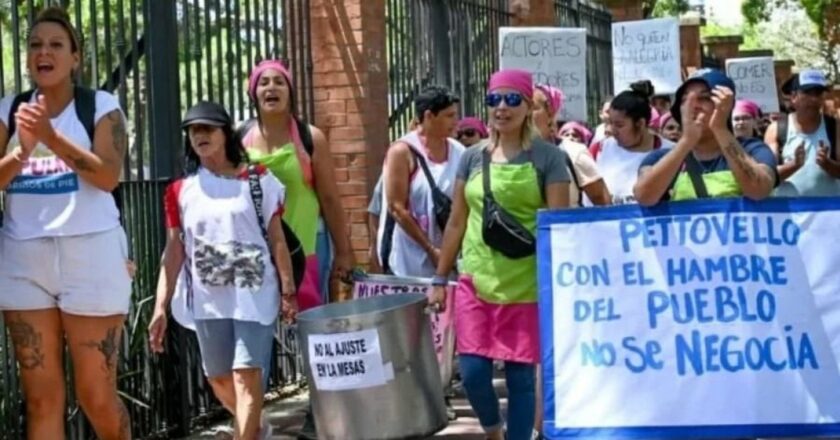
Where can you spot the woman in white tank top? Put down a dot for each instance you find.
(619, 157)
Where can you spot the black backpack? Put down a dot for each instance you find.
(830, 128)
(84, 100)
(293, 243)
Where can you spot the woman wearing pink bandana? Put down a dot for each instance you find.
(496, 297)
(279, 141)
(745, 119)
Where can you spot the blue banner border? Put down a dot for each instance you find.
(544, 277)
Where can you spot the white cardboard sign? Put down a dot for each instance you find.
(554, 56)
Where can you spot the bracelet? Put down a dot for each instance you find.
(440, 281)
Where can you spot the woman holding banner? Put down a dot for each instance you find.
(619, 156)
(498, 191)
(708, 161)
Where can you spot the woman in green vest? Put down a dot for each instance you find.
(708, 160)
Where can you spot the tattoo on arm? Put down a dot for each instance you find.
(118, 132)
(740, 159)
(28, 343)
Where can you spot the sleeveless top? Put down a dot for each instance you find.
(407, 257)
(810, 180)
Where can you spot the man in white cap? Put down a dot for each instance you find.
(813, 134)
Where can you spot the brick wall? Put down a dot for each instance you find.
(350, 81)
(626, 10)
(532, 13)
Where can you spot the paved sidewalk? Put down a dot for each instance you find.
(286, 417)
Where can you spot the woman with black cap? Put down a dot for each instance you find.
(226, 262)
(708, 160)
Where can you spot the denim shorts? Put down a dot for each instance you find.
(229, 344)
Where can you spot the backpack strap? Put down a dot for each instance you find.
(575, 180)
(832, 129)
(16, 103)
(781, 135)
(305, 136)
(85, 103)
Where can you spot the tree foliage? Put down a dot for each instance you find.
(822, 24)
(667, 8)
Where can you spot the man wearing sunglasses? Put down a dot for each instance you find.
(471, 131)
(810, 128)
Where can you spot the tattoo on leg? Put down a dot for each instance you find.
(81, 164)
(28, 342)
(109, 348)
(125, 421)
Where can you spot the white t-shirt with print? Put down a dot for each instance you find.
(228, 260)
(48, 198)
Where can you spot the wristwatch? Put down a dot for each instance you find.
(440, 281)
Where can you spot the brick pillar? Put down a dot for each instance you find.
(626, 10)
(350, 81)
(532, 13)
(723, 47)
(756, 53)
(691, 53)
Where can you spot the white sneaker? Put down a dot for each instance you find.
(266, 429)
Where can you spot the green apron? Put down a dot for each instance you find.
(302, 208)
(499, 279)
(719, 184)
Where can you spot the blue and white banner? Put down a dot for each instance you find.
(702, 319)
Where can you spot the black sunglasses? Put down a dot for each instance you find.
(511, 99)
(469, 132)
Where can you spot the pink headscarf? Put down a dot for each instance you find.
(554, 97)
(302, 156)
(475, 124)
(516, 79)
(745, 106)
(663, 120)
(578, 128)
(655, 119)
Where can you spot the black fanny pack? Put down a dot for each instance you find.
(500, 230)
(442, 204)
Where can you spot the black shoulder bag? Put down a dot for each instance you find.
(441, 202)
(500, 230)
(292, 242)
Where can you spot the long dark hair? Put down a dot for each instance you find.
(234, 151)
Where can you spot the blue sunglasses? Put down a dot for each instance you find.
(511, 99)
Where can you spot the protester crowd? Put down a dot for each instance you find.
(457, 203)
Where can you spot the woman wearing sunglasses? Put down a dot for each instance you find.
(471, 132)
(496, 297)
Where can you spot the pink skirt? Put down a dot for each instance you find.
(309, 294)
(508, 332)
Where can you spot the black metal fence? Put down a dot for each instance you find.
(449, 42)
(598, 23)
(136, 49)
